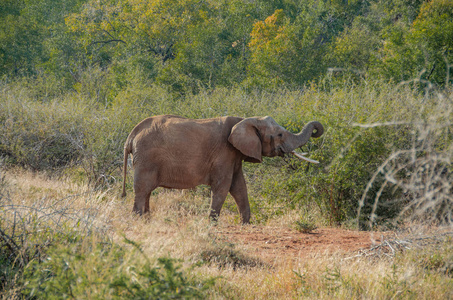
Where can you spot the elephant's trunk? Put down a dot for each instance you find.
(313, 129)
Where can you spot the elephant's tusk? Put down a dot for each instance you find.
(301, 156)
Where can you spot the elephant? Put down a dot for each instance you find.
(179, 153)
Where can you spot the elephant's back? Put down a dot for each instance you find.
(157, 121)
(176, 130)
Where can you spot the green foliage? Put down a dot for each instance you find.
(39, 136)
(94, 270)
(279, 46)
(20, 44)
(432, 30)
(63, 133)
(349, 155)
(104, 48)
(354, 49)
(29, 31)
(417, 43)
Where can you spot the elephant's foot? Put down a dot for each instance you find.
(140, 209)
(214, 218)
(245, 217)
(137, 211)
(245, 222)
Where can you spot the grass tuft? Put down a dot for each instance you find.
(304, 227)
(223, 254)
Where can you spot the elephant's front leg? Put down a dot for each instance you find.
(239, 192)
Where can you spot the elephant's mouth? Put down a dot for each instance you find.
(280, 152)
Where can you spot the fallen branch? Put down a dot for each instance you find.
(389, 248)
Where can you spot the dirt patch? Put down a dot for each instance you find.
(271, 243)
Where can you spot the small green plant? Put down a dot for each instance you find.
(304, 226)
(107, 271)
(223, 254)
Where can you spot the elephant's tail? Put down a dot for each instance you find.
(127, 150)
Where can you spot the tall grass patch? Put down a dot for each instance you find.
(375, 132)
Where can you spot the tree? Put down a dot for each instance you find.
(291, 52)
(28, 29)
(20, 40)
(423, 49)
(432, 36)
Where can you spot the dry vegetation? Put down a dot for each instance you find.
(400, 265)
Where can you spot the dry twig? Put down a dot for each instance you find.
(389, 248)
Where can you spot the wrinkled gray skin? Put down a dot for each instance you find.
(179, 153)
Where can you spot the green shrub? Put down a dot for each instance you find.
(40, 136)
(106, 271)
(304, 226)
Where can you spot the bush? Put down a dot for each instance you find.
(350, 151)
(40, 136)
(96, 270)
(304, 227)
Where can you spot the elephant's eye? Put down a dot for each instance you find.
(280, 134)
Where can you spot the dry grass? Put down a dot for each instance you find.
(178, 228)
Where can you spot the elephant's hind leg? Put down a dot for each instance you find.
(144, 184)
(218, 196)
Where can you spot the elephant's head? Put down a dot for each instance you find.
(258, 137)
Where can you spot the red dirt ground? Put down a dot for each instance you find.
(270, 243)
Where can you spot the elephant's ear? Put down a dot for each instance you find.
(244, 136)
